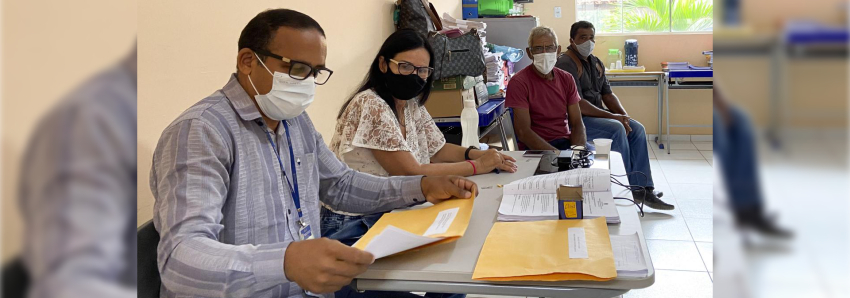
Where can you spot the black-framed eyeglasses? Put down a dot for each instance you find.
(406, 68)
(300, 71)
(546, 49)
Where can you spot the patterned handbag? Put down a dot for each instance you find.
(418, 15)
(458, 56)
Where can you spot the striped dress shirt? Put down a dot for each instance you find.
(223, 210)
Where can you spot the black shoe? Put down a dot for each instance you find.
(650, 200)
(658, 194)
(756, 220)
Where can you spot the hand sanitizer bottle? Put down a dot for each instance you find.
(469, 123)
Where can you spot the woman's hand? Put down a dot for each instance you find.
(491, 159)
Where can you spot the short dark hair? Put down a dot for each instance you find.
(402, 40)
(580, 25)
(259, 32)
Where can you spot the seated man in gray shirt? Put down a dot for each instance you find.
(239, 177)
(612, 123)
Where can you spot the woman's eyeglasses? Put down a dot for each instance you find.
(406, 68)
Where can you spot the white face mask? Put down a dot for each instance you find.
(544, 62)
(288, 98)
(586, 48)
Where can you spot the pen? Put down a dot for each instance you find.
(497, 170)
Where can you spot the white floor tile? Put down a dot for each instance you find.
(702, 138)
(709, 155)
(650, 153)
(704, 146)
(657, 173)
(685, 192)
(676, 284)
(678, 154)
(707, 253)
(664, 226)
(702, 229)
(682, 146)
(697, 208)
(690, 165)
(675, 255)
(690, 176)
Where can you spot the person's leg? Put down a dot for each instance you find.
(740, 162)
(639, 155)
(603, 128)
(734, 145)
(346, 229)
(560, 144)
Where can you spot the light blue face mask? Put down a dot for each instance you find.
(288, 98)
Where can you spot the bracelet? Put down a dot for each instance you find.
(474, 171)
(466, 154)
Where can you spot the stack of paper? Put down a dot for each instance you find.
(528, 207)
(396, 232)
(544, 206)
(590, 179)
(628, 257)
(677, 65)
(549, 250)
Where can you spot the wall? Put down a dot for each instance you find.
(49, 47)
(187, 50)
(688, 106)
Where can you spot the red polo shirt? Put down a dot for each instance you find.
(545, 100)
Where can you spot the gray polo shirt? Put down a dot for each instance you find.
(592, 84)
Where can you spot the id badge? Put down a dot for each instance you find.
(305, 232)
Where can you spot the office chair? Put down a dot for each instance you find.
(16, 279)
(148, 274)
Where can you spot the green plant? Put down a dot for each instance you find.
(654, 16)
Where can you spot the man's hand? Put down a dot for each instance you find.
(624, 119)
(440, 188)
(324, 265)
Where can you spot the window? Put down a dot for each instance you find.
(637, 16)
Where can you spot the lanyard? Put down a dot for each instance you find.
(296, 197)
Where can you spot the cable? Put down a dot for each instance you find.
(632, 188)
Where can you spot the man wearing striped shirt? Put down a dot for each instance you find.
(239, 178)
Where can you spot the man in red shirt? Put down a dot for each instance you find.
(545, 99)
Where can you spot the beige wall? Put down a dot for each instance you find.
(688, 106)
(187, 49)
(49, 47)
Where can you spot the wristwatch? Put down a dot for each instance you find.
(466, 154)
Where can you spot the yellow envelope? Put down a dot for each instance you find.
(539, 251)
(417, 221)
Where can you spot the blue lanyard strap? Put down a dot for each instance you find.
(296, 196)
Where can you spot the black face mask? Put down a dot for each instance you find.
(404, 87)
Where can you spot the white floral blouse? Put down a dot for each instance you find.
(369, 123)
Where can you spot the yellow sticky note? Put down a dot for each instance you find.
(570, 210)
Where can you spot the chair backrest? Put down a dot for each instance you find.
(148, 277)
(16, 279)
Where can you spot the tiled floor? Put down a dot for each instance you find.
(680, 241)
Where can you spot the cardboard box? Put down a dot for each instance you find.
(569, 202)
(447, 103)
(456, 83)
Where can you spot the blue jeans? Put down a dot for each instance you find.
(632, 146)
(734, 146)
(346, 229)
(349, 229)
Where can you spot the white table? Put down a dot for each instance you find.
(447, 268)
(643, 79)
